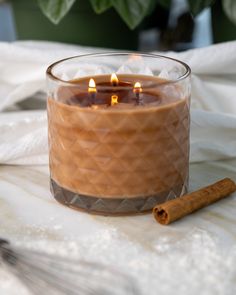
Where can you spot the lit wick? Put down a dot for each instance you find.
(137, 90)
(114, 80)
(92, 90)
(114, 100)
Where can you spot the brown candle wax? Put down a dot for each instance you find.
(132, 150)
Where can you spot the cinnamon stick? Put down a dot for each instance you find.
(175, 209)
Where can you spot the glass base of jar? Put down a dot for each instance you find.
(113, 206)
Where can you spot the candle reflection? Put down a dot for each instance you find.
(114, 99)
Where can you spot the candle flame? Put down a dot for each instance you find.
(114, 79)
(114, 99)
(92, 86)
(137, 87)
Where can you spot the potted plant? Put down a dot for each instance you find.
(224, 20)
(79, 21)
(107, 23)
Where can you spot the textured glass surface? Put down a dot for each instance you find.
(114, 206)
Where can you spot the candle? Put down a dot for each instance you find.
(123, 153)
(114, 79)
(92, 90)
(137, 90)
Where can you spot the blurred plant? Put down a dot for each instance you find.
(131, 11)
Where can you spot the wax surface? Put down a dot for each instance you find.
(120, 152)
(154, 91)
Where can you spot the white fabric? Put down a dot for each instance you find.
(23, 135)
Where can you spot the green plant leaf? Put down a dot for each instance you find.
(100, 6)
(229, 7)
(196, 6)
(133, 11)
(55, 10)
(165, 3)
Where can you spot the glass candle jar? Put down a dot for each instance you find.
(118, 126)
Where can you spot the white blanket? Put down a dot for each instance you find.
(23, 135)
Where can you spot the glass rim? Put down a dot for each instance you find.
(50, 68)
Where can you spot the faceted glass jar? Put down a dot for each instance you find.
(118, 126)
